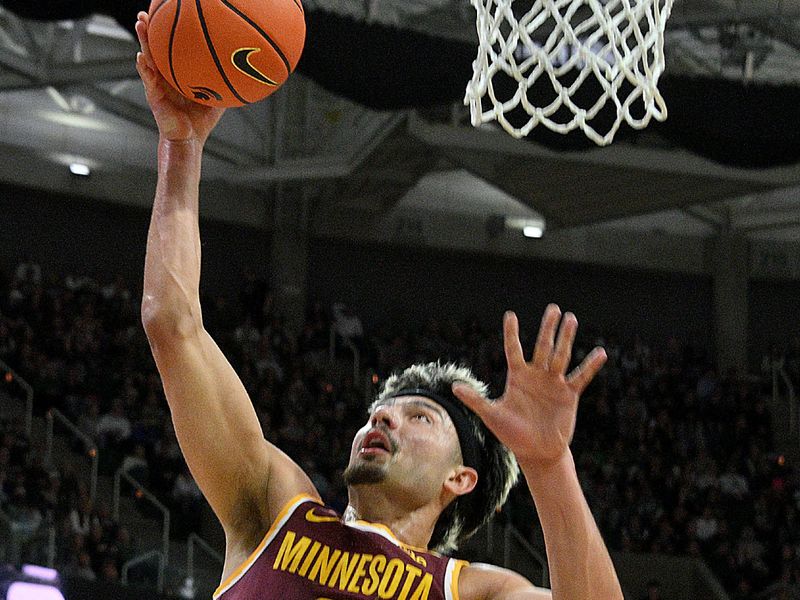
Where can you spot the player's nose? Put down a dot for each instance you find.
(384, 415)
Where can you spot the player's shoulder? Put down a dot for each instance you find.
(253, 522)
(481, 581)
(249, 528)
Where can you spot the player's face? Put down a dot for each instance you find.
(408, 443)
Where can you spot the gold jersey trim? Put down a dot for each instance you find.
(277, 524)
(451, 575)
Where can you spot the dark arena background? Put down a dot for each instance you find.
(354, 223)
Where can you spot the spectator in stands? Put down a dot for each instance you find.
(188, 500)
(247, 335)
(732, 484)
(266, 360)
(89, 419)
(25, 517)
(81, 567)
(348, 327)
(314, 336)
(114, 427)
(135, 464)
(124, 547)
(28, 272)
(8, 344)
(109, 571)
(81, 516)
(148, 426)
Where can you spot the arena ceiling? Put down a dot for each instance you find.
(69, 93)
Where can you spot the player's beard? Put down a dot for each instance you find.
(364, 472)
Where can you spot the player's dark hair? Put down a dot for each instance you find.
(498, 470)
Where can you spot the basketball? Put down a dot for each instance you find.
(226, 53)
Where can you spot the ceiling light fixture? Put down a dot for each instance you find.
(80, 169)
(531, 227)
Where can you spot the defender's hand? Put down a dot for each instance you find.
(535, 416)
(178, 118)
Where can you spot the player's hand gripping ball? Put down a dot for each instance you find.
(226, 52)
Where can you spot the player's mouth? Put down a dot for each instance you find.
(376, 443)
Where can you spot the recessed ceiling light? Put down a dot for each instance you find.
(80, 169)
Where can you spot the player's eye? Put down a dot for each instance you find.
(422, 417)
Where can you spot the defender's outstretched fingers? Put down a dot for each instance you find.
(543, 350)
(581, 376)
(513, 348)
(563, 352)
(473, 400)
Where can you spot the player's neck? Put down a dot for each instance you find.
(410, 525)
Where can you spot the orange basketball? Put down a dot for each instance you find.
(226, 52)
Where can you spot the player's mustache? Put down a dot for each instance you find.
(393, 446)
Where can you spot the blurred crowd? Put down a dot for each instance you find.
(674, 457)
(677, 459)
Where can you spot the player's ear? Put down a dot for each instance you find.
(462, 480)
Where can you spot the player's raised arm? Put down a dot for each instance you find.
(535, 418)
(245, 479)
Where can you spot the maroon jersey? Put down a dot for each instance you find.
(309, 553)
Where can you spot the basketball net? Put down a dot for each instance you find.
(561, 45)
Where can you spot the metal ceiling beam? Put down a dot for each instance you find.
(503, 147)
(16, 26)
(780, 25)
(92, 72)
(715, 13)
(705, 215)
(22, 65)
(770, 225)
(320, 167)
(142, 116)
(37, 75)
(778, 200)
(783, 30)
(291, 170)
(691, 61)
(776, 209)
(13, 81)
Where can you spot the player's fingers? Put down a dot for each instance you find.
(511, 343)
(141, 34)
(141, 66)
(544, 341)
(149, 78)
(582, 375)
(472, 399)
(145, 71)
(563, 351)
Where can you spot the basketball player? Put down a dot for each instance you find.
(424, 471)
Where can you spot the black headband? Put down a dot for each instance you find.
(459, 415)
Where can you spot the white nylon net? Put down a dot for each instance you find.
(567, 63)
